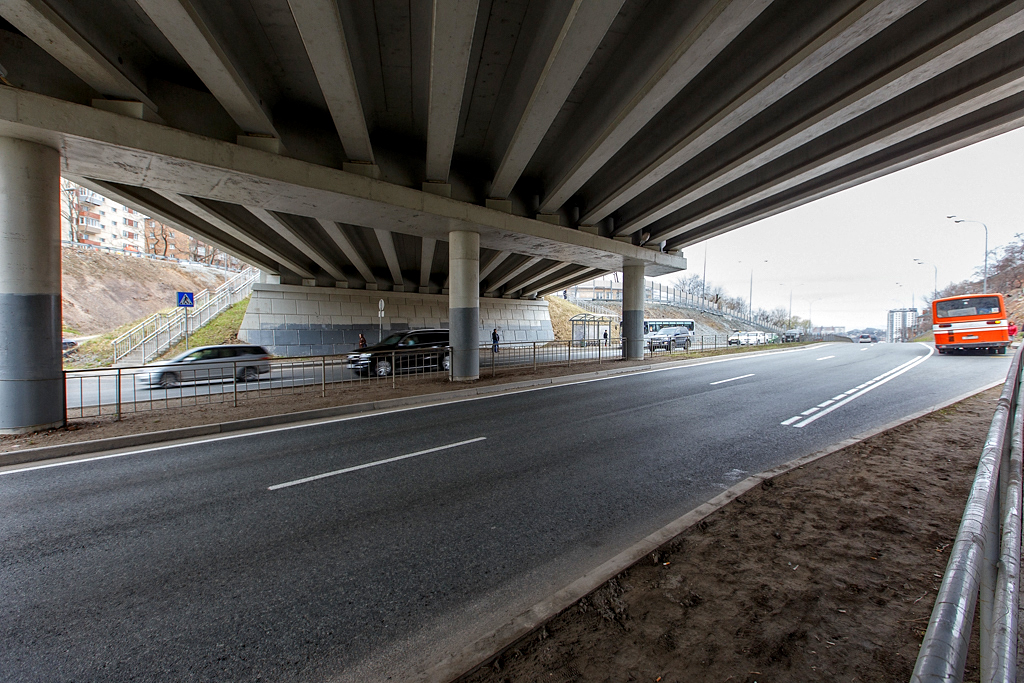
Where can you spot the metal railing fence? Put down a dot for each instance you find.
(160, 331)
(119, 391)
(123, 390)
(984, 563)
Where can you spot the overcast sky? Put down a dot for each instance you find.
(849, 258)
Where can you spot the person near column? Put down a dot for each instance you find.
(362, 341)
(606, 337)
(494, 340)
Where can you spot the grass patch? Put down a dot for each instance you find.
(97, 352)
(221, 330)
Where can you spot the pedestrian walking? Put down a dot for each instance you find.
(362, 341)
(606, 337)
(494, 340)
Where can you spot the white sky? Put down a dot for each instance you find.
(843, 255)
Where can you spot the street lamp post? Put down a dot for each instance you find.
(984, 289)
(935, 284)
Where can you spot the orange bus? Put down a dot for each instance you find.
(975, 321)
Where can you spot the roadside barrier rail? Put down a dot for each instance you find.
(984, 563)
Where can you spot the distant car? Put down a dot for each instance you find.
(792, 336)
(751, 338)
(403, 352)
(735, 339)
(669, 338)
(207, 363)
(864, 339)
(67, 345)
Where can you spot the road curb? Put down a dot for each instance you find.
(484, 650)
(77, 448)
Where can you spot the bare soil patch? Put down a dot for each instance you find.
(102, 291)
(826, 573)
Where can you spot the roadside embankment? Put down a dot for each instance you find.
(825, 573)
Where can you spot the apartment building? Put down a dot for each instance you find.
(90, 218)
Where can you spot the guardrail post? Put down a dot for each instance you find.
(493, 354)
(569, 355)
(117, 396)
(323, 377)
(535, 356)
(234, 383)
(394, 370)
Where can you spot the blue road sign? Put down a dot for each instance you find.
(185, 300)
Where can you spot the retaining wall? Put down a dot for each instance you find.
(292, 320)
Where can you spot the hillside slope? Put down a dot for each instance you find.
(102, 291)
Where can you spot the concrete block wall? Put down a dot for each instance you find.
(312, 321)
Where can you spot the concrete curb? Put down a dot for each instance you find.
(487, 648)
(76, 448)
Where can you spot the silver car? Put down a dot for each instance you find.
(670, 338)
(242, 362)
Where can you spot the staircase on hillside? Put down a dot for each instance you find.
(161, 331)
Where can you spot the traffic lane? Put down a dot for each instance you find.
(642, 477)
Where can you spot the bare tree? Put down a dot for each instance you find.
(70, 208)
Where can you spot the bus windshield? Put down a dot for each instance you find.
(975, 305)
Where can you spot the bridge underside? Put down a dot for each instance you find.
(483, 147)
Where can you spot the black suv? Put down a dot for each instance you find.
(412, 351)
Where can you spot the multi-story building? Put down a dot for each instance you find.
(90, 218)
(901, 325)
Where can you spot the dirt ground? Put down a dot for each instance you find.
(826, 573)
(102, 291)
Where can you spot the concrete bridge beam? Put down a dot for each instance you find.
(31, 379)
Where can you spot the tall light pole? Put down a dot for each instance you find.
(984, 288)
(935, 285)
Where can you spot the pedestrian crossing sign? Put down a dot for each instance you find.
(185, 300)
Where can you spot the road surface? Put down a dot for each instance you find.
(360, 548)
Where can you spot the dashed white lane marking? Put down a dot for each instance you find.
(732, 379)
(824, 358)
(364, 466)
(861, 389)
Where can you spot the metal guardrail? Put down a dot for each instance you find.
(160, 331)
(984, 563)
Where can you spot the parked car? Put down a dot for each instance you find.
(670, 338)
(403, 352)
(735, 337)
(205, 363)
(67, 345)
(792, 336)
(751, 338)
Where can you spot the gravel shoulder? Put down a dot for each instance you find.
(825, 573)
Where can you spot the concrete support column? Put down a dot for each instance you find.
(464, 304)
(31, 377)
(633, 310)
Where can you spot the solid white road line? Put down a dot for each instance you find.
(892, 374)
(732, 379)
(791, 420)
(364, 466)
(824, 358)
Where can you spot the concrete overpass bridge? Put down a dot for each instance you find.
(463, 148)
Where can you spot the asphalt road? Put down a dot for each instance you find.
(214, 560)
